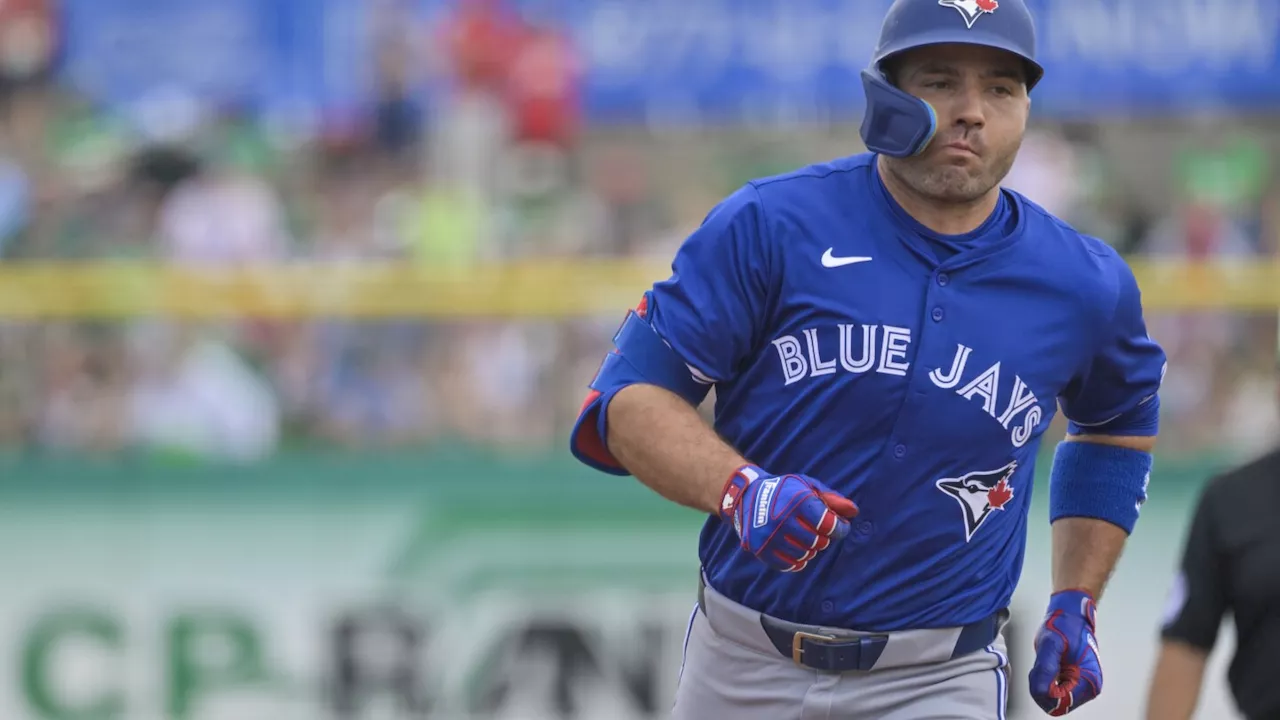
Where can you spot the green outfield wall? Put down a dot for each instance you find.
(409, 584)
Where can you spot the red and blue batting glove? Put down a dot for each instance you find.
(786, 520)
(1067, 672)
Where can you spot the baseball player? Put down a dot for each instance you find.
(889, 335)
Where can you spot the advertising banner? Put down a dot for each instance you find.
(675, 62)
(287, 59)
(768, 60)
(372, 588)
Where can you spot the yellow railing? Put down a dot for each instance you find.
(541, 289)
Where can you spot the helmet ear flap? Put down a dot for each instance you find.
(895, 123)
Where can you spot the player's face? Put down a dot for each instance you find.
(980, 97)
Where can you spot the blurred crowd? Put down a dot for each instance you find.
(500, 166)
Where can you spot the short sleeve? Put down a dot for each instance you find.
(1128, 366)
(712, 308)
(1197, 601)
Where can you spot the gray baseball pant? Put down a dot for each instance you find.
(733, 671)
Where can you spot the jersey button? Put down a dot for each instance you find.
(862, 531)
(943, 279)
(899, 451)
(828, 606)
(937, 314)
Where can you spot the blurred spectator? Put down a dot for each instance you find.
(624, 212)
(473, 127)
(399, 119)
(1199, 344)
(542, 86)
(194, 396)
(29, 40)
(361, 382)
(371, 387)
(438, 223)
(344, 227)
(1227, 171)
(496, 384)
(83, 389)
(1198, 231)
(226, 213)
(479, 39)
(15, 202)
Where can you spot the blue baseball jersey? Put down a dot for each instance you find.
(914, 373)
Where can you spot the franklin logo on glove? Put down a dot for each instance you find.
(795, 516)
(763, 503)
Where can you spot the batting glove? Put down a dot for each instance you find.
(785, 521)
(1067, 672)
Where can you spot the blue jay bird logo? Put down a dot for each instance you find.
(979, 493)
(971, 9)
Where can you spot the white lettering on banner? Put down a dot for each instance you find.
(786, 44)
(612, 654)
(787, 47)
(103, 628)
(781, 41)
(483, 629)
(1165, 38)
(890, 346)
(789, 43)
(621, 39)
(667, 62)
(213, 49)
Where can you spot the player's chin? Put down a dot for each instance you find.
(960, 186)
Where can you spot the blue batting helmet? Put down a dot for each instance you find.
(899, 124)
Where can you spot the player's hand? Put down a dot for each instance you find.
(1067, 672)
(784, 520)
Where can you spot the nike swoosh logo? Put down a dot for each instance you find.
(831, 261)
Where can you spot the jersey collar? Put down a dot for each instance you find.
(984, 242)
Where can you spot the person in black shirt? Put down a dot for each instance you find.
(1230, 564)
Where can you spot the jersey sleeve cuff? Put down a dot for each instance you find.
(1143, 420)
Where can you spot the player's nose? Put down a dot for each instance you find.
(968, 110)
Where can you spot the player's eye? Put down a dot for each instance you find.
(1002, 91)
(938, 84)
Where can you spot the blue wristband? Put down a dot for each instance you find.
(1098, 481)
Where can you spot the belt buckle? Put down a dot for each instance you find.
(797, 644)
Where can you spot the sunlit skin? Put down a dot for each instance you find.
(980, 97)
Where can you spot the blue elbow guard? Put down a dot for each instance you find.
(639, 347)
(640, 356)
(1098, 481)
